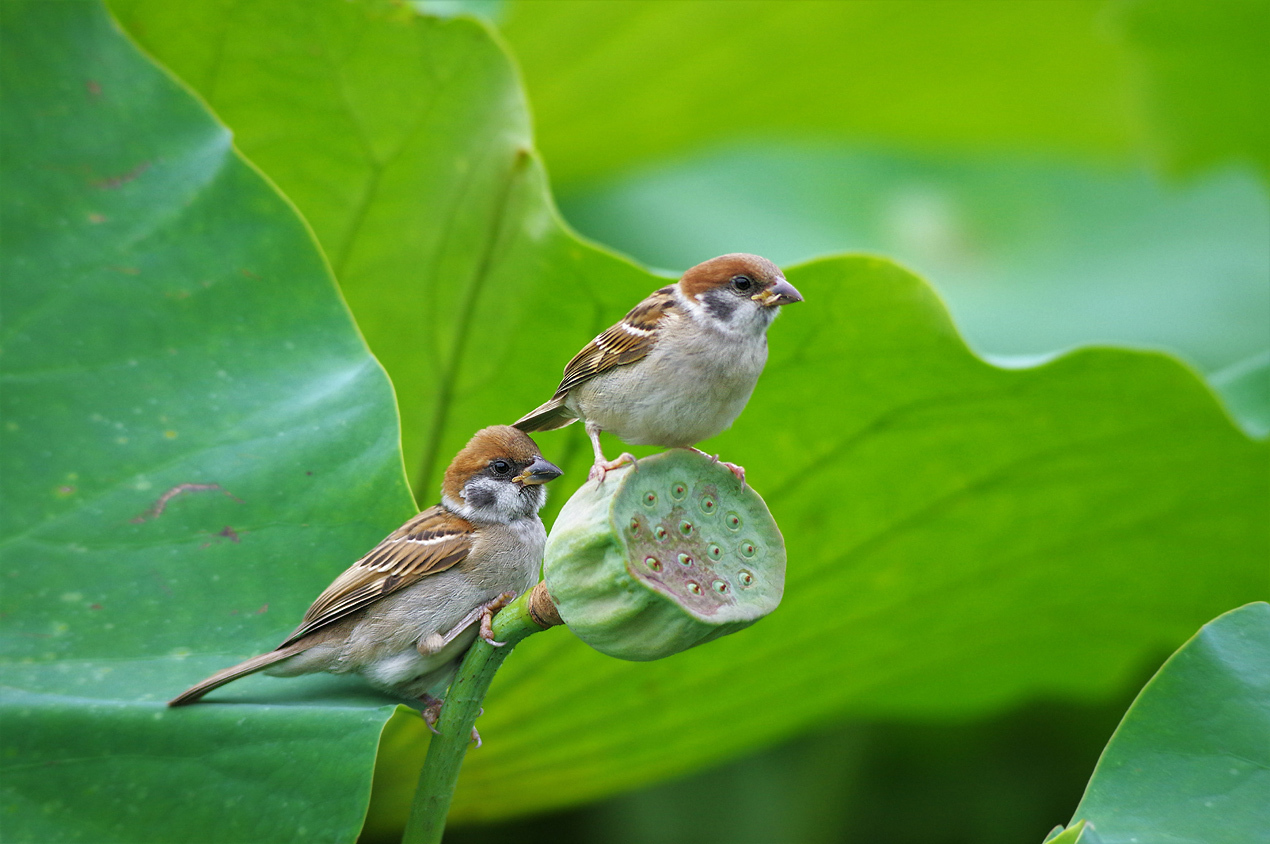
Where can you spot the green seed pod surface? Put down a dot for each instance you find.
(661, 558)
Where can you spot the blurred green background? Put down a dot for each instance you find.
(1064, 173)
(986, 563)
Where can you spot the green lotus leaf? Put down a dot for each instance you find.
(1190, 762)
(195, 441)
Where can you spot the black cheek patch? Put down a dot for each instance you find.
(479, 498)
(720, 305)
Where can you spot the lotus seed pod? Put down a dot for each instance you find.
(661, 558)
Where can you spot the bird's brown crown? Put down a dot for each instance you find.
(488, 444)
(719, 271)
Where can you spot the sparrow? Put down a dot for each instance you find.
(403, 615)
(679, 367)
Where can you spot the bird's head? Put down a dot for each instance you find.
(738, 292)
(498, 477)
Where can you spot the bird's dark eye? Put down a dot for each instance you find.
(501, 467)
(742, 283)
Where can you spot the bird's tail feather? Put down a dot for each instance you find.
(242, 669)
(548, 417)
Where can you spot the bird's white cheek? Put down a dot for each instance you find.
(489, 500)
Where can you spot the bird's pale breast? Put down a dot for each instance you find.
(682, 393)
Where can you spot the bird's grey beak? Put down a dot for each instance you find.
(538, 472)
(780, 293)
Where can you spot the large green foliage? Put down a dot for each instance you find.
(168, 322)
(1190, 762)
(405, 142)
(946, 520)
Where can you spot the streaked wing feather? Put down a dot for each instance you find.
(431, 542)
(628, 341)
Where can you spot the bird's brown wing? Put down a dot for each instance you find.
(431, 542)
(628, 341)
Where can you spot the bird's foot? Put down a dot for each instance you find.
(432, 713)
(603, 467)
(487, 620)
(738, 471)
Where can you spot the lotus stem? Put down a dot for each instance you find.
(528, 614)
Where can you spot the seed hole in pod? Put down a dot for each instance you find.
(747, 549)
(685, 527)
(650, 499)
(678, 491)
(685, 559)
(720, 587)
(634, 524)
(661, 533)
(708, 505)
(745, 577)
(694, 587)
(714, 552)
(733, 521)
(653, 563)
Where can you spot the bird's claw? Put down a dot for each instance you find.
(603, 467)
(738, 471)
(431, 713)
(487, 622)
